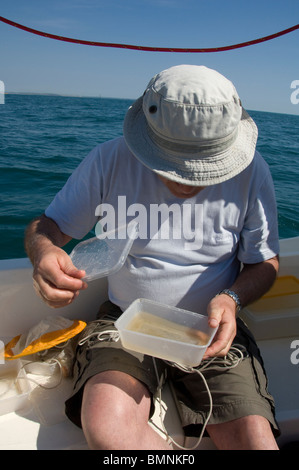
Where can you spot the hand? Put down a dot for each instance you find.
(221, 311)
(56, 280)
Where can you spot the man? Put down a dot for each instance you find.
(189, 144)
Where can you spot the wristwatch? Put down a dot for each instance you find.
(234, 296)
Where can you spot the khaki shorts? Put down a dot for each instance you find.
(236, 392)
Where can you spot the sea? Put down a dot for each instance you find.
(43, 138)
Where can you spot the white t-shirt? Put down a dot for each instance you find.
(187, 249)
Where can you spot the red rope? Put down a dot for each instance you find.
(146, 48)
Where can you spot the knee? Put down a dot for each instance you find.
(103, 425)
(99, 432)
(251, 432)
(110, 418)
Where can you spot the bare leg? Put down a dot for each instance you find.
(248, 433)
(115, 411)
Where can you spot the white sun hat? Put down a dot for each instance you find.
(189, 126)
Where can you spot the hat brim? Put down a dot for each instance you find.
(191, 169)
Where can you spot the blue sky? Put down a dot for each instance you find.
(261, 73)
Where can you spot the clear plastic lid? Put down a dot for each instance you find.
(106, 253)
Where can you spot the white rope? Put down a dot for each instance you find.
(107, 335)
(30, 379)
(230, 361)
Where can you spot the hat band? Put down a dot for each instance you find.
(211, 147)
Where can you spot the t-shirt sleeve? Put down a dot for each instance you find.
(259, 238)
(74, 206)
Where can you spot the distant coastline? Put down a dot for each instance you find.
(32, 93)
(48, 94)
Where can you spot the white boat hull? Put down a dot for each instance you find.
(42, 424)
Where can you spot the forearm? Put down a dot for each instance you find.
(41, 234)
(255, 280)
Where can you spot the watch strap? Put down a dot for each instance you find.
(233, 296)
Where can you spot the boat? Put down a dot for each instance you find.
(34, 418)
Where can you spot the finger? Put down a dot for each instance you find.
(63, 275)
(52, 296)
(222, 341)
(71, 270)
(62, 303)
(219, 348)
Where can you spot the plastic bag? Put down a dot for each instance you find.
(47, 334)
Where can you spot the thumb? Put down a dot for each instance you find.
(214, 314)
(213, 322)
(69, 268)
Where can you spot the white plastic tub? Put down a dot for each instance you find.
(14, 387)
(165, 332)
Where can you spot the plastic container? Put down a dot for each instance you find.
(165, 332)
(14, 387)
(106, 253)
